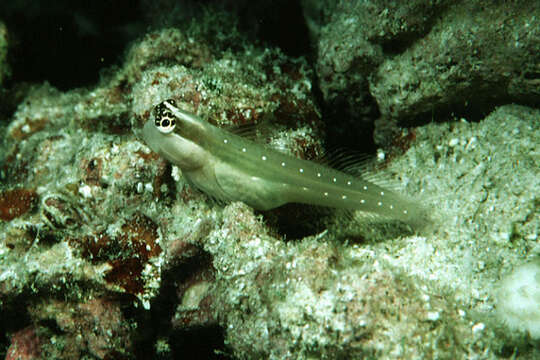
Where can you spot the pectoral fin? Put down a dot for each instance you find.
(252, 190)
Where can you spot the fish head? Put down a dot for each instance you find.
(176, 135)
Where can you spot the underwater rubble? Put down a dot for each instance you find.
(107, 252)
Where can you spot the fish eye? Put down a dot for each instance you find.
(165, 124)
(165, 120)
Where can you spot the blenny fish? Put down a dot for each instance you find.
(230, 167)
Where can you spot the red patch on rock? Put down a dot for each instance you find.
(16, 202)
(25, 345)
(127, 253)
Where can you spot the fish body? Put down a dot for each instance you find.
(232, 168)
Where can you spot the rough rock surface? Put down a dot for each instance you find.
(474, 57)
(326, 299)
(4, 68)
(80, 194)
(107, 252)
(413, 60)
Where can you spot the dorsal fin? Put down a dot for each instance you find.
(348, 161)
(262, 133)
(360, 165)
(259, 131)
(247, 131)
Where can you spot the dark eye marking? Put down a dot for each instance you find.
(164, 118)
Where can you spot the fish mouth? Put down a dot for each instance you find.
(159, 142)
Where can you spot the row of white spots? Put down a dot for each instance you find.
(301, 170)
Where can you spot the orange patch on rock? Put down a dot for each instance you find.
(29, 127)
